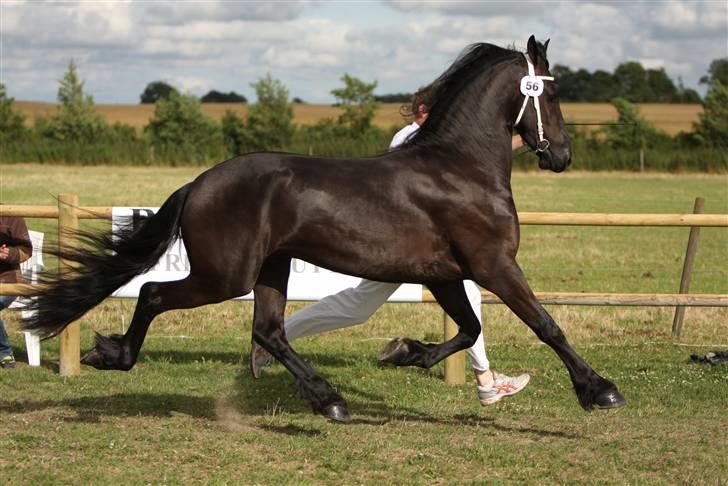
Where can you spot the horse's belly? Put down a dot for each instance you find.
(391, 263)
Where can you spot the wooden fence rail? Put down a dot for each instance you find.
(68, 213)
(525, 218)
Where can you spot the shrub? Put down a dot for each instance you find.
(12, 128)
(633, 131)
(712, 128)
(270, 120)
(180, 132)
(233, 133)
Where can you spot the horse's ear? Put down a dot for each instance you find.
(546, 45)
(532, 49)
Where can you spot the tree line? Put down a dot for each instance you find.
(629, 80)
(179, 133)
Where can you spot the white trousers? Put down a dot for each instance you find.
(355, 305)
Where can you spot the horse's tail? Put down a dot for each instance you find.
(104, 263)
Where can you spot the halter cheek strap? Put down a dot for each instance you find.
(532, 87)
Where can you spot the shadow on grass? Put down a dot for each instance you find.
(92, 409)
(254, 397)
(175, 356)
(234, 357)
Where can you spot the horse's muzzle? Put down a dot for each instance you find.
(555, 160)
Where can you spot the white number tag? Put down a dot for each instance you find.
(531, 86)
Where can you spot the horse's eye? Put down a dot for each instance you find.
(553, 94)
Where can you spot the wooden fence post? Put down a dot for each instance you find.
(70, 340)
(687, 272)
(454, 364)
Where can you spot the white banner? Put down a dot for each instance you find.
(307, 281)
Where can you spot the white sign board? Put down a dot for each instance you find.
(307, 281)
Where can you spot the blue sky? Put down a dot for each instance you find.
(226, 45)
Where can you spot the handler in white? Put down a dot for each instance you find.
(356, 305)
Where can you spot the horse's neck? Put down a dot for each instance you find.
(483, 129)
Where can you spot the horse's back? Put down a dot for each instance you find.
(378, 217)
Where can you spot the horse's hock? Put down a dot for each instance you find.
(68, 213)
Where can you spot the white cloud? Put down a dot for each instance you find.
(470, 8)
(181, 13)
(121, 46)
(689, 19)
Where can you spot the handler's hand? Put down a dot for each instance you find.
(4, 252)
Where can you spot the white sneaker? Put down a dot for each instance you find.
(503, 386)
(259, 359)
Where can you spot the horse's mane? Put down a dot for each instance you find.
(473, 60)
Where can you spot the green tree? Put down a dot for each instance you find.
(76, 119)
(179, 126)
(12, 128)
(214, 96)
(270, 120)
(686, 95)
(632, 80)
(358, 101)
(717, 72)
(712, 127)
(602, 87)
(661, 86)
(157, 90)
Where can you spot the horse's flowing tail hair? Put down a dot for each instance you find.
(102, 264)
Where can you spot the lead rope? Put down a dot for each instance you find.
(532, 87)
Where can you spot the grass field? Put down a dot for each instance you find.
(667, 117)
(189, 411)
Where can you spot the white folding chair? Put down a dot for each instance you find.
(30, 270)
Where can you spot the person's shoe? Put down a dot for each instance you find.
(503, 386)
(259, 358)
(7, 362)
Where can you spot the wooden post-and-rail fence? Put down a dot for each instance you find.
(68, 213)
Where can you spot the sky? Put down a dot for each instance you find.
(119, 47)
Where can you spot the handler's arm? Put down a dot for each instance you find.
(516, 142)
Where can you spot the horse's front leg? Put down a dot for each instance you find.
(268, 332)
(509, 284)
(452, 298)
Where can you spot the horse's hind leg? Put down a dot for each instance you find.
(592, 390)
(120, 352)
(268, 332)
(452, 298)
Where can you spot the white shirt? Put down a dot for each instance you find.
(403, 135)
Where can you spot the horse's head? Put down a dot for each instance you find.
(540, 122)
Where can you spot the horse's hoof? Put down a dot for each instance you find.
(95, 359)
(394, 351)
(609, 399)
(338, 413)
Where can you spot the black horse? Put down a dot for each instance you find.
(436, 211)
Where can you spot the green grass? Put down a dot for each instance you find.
(189, 411)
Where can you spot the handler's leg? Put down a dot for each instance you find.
(492, 387)
(478, 358)
(347, 308)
